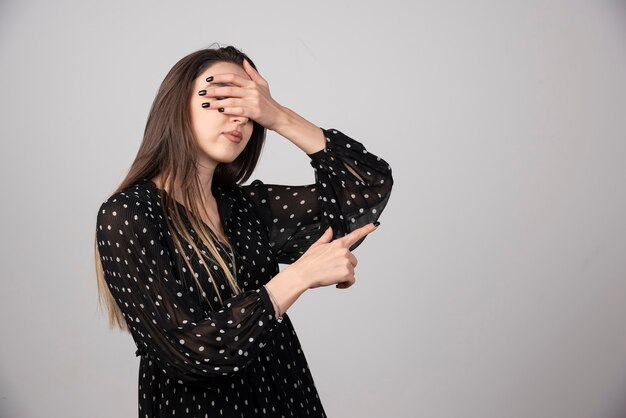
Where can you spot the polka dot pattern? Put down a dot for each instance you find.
(235, 359)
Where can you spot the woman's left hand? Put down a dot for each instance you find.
(250, 98)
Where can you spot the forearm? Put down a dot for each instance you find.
(304, 134)
(285, 288)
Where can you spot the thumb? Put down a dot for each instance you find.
(251, 71)
(326, 237)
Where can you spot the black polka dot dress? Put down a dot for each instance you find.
(235, 359)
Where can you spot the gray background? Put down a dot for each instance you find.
(495, 285)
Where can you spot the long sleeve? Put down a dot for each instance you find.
(162, 310)
(351, 189)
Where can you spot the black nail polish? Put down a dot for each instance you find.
(376, 223)
(202, 92)
(209, 79)
(206, 104)
(221, 109)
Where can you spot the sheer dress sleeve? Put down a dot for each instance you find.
(351, 189)
(164, 317)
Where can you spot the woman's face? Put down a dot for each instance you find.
(209, 125)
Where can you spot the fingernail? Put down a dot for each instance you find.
(376, 223)
(221, 109)
(206, 104)
(209, 79)
(202, 92)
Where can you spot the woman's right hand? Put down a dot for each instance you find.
(325, 263)
(329, 262)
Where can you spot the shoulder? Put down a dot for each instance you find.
(254, 194)
(250, 198)
(253, 188)
(138, 200)
(239, 192)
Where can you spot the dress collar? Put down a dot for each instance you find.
(223, 196)
(225, 203)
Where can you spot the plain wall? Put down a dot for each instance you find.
(495, 284)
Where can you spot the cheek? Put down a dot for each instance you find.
(202, 119)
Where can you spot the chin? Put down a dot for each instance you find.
(221, 155)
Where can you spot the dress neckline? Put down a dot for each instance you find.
(221, 208)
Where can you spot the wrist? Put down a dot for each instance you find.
(305, 135)
(299, 281)
(278, 312)
(285, 288)
(283, 120)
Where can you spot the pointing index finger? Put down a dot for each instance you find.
(357, 235)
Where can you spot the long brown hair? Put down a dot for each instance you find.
(169, 150)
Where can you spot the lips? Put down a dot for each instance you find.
(234, 136)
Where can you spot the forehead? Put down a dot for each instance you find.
(224, 68)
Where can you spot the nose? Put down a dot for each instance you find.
(240, 119)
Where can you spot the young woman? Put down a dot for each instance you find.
(187, 256)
